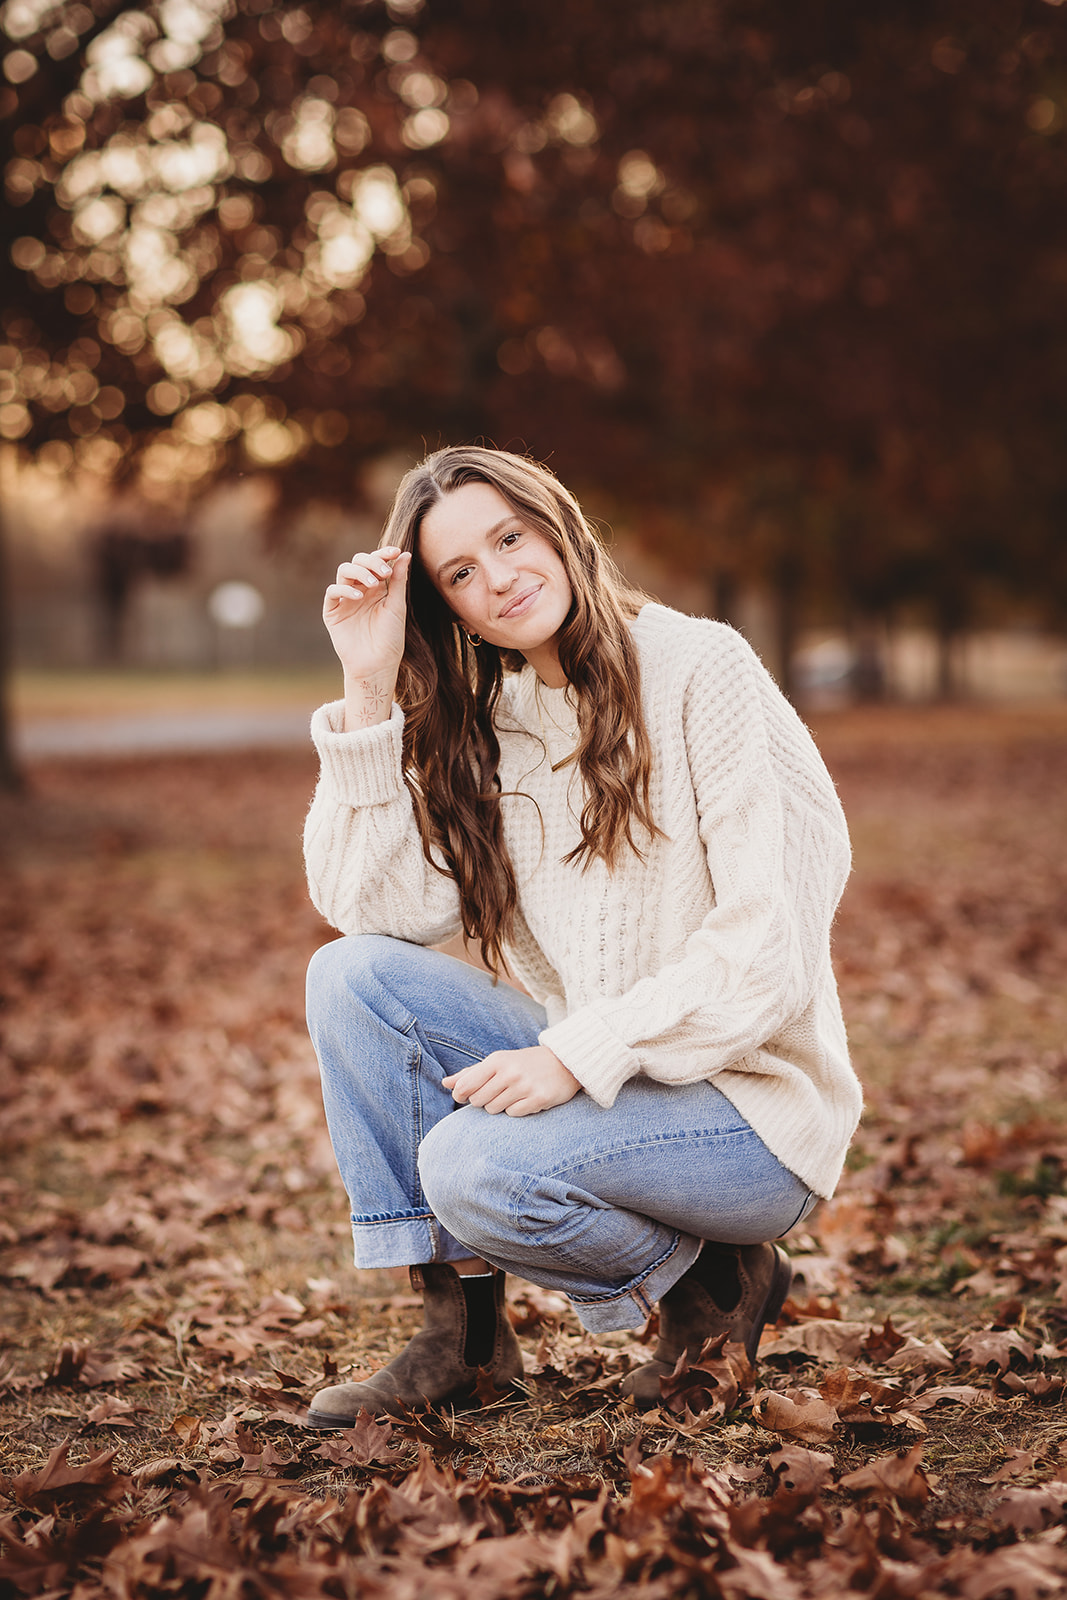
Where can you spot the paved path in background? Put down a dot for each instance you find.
(150, 733)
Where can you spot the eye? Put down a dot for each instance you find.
(509, 538)
(459, 574)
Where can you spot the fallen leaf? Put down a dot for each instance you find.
(278, 1309)
(1031, 1510)
(813, 1306)
(114, 1263)
(81, 1364)
(1017, 1465)
(987, 1281)
(187, 1428)
(485, 1389)
(260, 1461)
(915, 1355)
(740, 1471)
(308, 1329)
(1041, 1387)
(821, 1340)
(100, 1368)
(285, 1404)
(899, 1475)
(820, 1274)
(858, 1398)
(756, 1575)
(960, 1394)
(31, 1565)
(59, 1483)
(530, 1307)
(158, 1468)
(713, 1381)
(799, 1413)
(849, 1225)
(366, 1442)
(1022, 1571)
(801, 1471)
(883, 1343)
(996, 1347)
(113, 1410)
(39, 1269)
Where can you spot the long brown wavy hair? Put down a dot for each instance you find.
(449, 690)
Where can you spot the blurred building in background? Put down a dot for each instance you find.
(121, 584)
(780, 291)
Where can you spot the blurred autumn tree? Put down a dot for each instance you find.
(785, 281)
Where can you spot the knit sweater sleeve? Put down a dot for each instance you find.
(366, 869)
(778, 855)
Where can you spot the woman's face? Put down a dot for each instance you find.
(497, 574)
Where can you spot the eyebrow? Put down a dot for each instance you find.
(460, 561)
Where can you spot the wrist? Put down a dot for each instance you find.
(368, 698)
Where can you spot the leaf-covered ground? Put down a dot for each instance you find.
(174, 1244)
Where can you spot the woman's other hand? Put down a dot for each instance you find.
(519, 1082)
(365, 612)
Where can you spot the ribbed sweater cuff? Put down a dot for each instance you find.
(362, 768)
(600, 1061)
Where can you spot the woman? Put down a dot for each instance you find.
(617, 801)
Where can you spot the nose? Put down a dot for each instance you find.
(499, 575)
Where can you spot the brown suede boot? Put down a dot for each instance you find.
(432, 1369)
(755, 1280)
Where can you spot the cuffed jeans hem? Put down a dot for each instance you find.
(632, 1306)
(403, 1242)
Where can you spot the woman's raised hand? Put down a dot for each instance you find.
(365, 612)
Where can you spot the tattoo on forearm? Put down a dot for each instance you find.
(374, 697)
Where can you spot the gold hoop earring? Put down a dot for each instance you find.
(474, 639)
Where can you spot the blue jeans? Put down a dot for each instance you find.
(608, 1206)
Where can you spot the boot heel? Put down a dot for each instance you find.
(776, 1298)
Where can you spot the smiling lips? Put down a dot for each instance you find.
(521, 603)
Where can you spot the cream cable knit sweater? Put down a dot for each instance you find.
(708, 959)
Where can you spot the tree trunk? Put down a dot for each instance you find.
(787, 598)
(946, 675)
(868, 674)
(724, 586)
(949, 619)
(11, 779)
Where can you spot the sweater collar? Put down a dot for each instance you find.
(548, 715)
(552, 713)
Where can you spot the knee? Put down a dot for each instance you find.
(453, 1171)
(344, 967)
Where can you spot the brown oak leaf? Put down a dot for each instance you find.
(996, 1347)
(59, 1483)
(366, 1441)
(114, 1412)
(860, 1399)
(822, 1339)
(799, 1413)
(882, 1343)
(799, 1470)
(486, 1390)
(1017, 1465)
(917, 1355)
(1041, 1387)
(1032, 1510)
(899, 1475)
(961, 1394)
(713, 1381)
